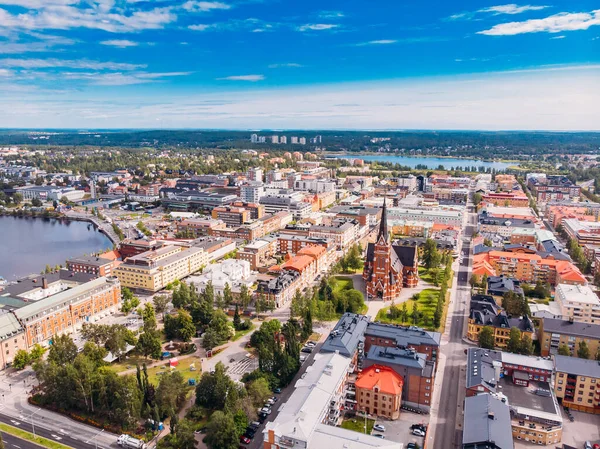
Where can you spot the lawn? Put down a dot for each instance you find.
(239, 334)
(426, 305)
(155, 372)
(129, 363)
(358, 424)
(43, 442)
(425, 275)
(341, 283)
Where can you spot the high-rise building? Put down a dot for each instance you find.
(274, 139)
(283, 139)
(255, 174)
(302, 140)
(294, 140)
(254, 138)
(252, 192)
(319, 139)
(262, 139)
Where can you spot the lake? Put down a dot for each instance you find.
(28, 244)
(429, 161)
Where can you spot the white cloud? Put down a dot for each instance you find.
(378, 42)
(317, 27)
(251, 78)
(71, 64)
(196, 6)
(331, 15)
(199, 27)
(556, 23)
(104, 16)
(251, 24)
(510, 9)
(120, 43)
(562, 36)
(286, 64)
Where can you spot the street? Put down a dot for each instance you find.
(11, 441)
(449, 410)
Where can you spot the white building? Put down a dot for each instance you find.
(255, 174)
(252, 191)
(231, 271)
(274, 139)
(308, 418)
(315, 185)
(302, 141)
(283, 139)
(450, 217)
(294, 140)
(254, 138)
(579, 302)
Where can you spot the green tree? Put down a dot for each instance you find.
(63, 350)
(149, 318)
(526, 345)
(17, 198)
(258, 391)
(186, 326)
(563, 349)
(222, 432)
(437, 314)
(237, 321)
(583, 351)
(36, 202)
(404, 313)
(477, 198)
(227, 295)
(149, 344)
(486, 338)
(21, 359)
(245, 297)
(431, 254)
(415, 313)
(514, 340)
(160, 304)
(171, 392)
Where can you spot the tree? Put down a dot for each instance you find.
(415, 313)
(227, 295)
(245, 296)
(236, 318)
(514, 340)
(149, 344)
(437, 314)
(160, 304)
(307, 324)
(2, 446)
(170, 393)
(431, 255)
(149, 318)
(21, 359)
(486, 338)
(63, 350)
(477, 197)
(186, 326)
(17, 198)
(222, 432)
(526, 347)
(36, 202)
(213, 388)
(258, 391)
(404, 313)
(488, 243)
(563, 349)
(583, 352)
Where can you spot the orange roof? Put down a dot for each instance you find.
(483, 267)
(441, 227)
(312, 251)
(112, 255)
(298, 263)
(382, 377)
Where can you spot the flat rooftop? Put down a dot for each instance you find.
(526, 397)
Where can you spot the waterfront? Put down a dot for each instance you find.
(29, 244)
(429, 162)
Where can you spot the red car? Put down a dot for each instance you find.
(244, 439)
(596, 446)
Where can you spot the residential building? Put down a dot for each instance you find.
(283, 140)
(498, 286)
(379, 391)
(554, 333)
(411, 337)
(512, 199)
(252, 191)
(438, 215)
(215, 247)
(347, 337)
(553, 188)
(255, 174)
(197, 227)
(258, 252)
(315, 185)
(366, 216)
(487, 423)
(578, 302)
(308, 262)
(232, 272)
(285, 200)
(585, 232)
(91, 264)
(128, 248)
(12, 339)
(577, 383)
(342, 232)
(411, 228)
(281, 288)
(505, 227)
(254, 138)
(154, 270)
(231, 215)
(523, 383)
(506, 183)
(308, 418)
(291, 244)
(275, 139)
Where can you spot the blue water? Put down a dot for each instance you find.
(28, 244)
(429, 161)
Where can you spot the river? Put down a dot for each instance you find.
(28, 244)
(429, 161)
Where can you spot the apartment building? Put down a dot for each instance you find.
(578, 302)
(506, 199)
(411, 337)
(505, 227)
(258, 252)
(252, 191)
(525, 385)
(92, 265)
(552, 188)
(342, 232)
(154, 270)
(379, 391)
(554, 333)
(231, 215)
(12, 339)
(281, 288)
(197, 227)
(291, 244)
(577, 383)
(366, 216)
(529, 268)
(556, 213)
(505, 183)
(232, 272)
(438, 215)
(486, 423)
(585, 232)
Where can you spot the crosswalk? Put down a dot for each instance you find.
(243, 366)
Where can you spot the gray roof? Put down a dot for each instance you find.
(480, 368)
(29, 283)
(9, 326)
(405, 357)
(574, 365)
(404, 336)
(346, 335)
(487, 420)
(90, 260)
(574, 328)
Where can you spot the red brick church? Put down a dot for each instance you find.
(389, 267)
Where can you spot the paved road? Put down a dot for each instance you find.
(447, 436)
(11, 442)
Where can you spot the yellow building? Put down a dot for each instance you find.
(577, 383)
(554, 333)
(153, 270)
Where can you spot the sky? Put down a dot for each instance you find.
(309, 64)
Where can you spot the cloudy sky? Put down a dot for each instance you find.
(347, 64)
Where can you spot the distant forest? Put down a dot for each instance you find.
(518, 145)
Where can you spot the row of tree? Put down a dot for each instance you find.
(518, 343)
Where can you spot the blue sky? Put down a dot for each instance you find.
(373, 64)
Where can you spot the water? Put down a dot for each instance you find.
(430, 161)
(28, 244)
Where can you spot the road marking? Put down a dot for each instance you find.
(16, 423)
(18, 447)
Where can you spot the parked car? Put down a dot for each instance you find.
(418, 432)
(254, 424)
(244, 439)
(262, 417)
(379, 427)
(277, 390)
(265, 410)
(411, 446)
(587, 445)
(274, 398)
(596, 446)
(269, 402)
(307, 349)
(422, 427)
(312, 344)
(378, 435)
(249, 434)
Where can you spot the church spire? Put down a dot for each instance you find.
(383, 228)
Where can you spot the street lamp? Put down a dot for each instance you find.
(94, 439)
(32, 423)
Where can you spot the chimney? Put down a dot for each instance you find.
(490, 415)
(44, 283)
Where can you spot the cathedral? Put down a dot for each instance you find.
(389, 267)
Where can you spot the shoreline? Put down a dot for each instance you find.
(357, 155)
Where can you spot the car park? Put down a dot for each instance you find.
(418, 432)
(379, 427)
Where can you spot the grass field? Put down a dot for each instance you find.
(425, 275)
(183, 367)
(341, 283)
(426, 304)
(43, 442)
(240, 334)
(129, 363)
(358, 424)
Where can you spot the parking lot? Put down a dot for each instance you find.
(399, 431)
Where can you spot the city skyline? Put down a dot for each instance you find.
(260, 64)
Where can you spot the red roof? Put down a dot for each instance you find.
(382, 377)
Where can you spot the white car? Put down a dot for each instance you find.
(418, 432)
(379, 427)
(265, 410)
